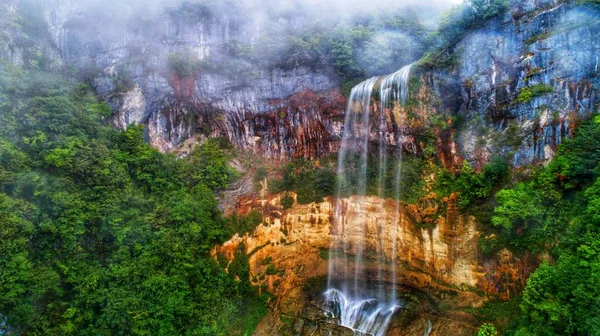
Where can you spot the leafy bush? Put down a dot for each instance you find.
(287, 202)
(243, 224)
(271, 270)
(530, 92)
(312, 184)
(473, 188)
(183, 64)
(525, 95)
(261, 174)
(487, 330)
(209, 164)
(557, 210)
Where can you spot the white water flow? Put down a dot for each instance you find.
(348, 301)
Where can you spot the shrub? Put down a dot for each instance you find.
(287, 202)
(210, 165)
(261, 174)
(473, 188)
(530, 92)
(487, 330)
(183, 64)
(243, 224)
(271, 270)
(525, 95)
(311, 183)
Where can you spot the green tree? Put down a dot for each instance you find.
(100, 233)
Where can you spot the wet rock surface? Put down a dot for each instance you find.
(529, 77)
(521, 83)
(289, 255)
(182, 71)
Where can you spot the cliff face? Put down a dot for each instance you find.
(519, 83)
(523, 81)
(188, 70)
(436, 249)
(517, 86)
(223, 92)
(184, 69)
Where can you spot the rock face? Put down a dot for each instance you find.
(520, 83)
(523, 80)
(184, 69)
(189, 69)
(437, 254)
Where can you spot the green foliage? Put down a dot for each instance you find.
(502, 315)
(487, 330)
(287, 201)
(316, 284)
(406, 172)
(311, 183)
(578, 159)
(271, 270)
(526, 215)
(209, 164)
(525, 95)
(375, 44)
(521, 205)
(243, 224)
(472, 187)
(183, 64)
(102, 234)
(537, 37)
(324, 253)
(564, 298)
(557, 210)
(436, 59)
(261, 174)
(530, 92)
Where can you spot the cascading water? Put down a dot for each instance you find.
(346, 301)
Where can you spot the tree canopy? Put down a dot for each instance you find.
(100, 234)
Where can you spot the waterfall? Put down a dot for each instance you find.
(365, 316)
(348, 302)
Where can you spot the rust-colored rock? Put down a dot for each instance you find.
(441, 259)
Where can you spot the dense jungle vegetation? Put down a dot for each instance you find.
(556, 209)
(100, 234)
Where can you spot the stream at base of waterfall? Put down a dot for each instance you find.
(348, 301)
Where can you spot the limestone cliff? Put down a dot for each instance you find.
(195, 68)
(516, 86)
(523, 80)
(289, 255)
